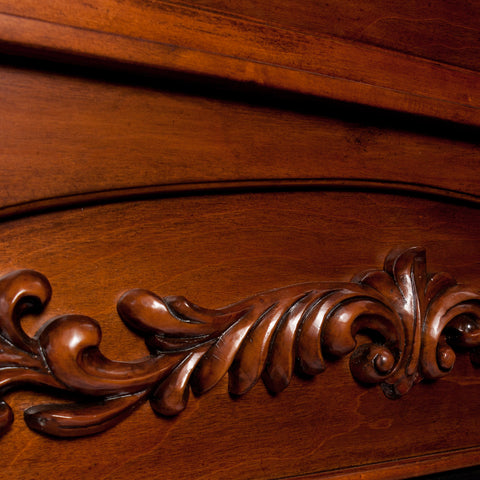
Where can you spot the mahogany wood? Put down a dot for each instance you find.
(413, 318)
(444, 31)
(166, 245)
(176, 39)
(437, 30)
(217, 150)
(113, 138)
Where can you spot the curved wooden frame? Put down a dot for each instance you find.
(413, 320)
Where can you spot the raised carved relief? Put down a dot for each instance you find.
(413, 321)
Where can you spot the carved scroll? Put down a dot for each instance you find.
(414, 322)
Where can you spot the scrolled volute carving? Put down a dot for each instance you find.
(410, 324)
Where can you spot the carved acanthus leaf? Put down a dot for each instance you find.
(413, 320)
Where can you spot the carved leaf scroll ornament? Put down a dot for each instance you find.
(413, 321)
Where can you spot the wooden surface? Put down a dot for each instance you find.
(443, 31)
(75, 135)
(178, 40)
(166, 246)
(412, 324)
(217, 150)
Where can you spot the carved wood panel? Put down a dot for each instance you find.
(413, 322)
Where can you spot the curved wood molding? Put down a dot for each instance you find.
(86, 198)
(413, 321)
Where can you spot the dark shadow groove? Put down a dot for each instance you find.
(157, 192)
(217, 88)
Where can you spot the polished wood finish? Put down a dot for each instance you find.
(218, 150)
(443, 31)
(143, 151)
(176, 40)
(413, 320)
(165, 245)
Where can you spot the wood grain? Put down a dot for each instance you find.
(414, 320)
(260, 241)
(444, 31)
(179, 39)
(64, 136)
(216, 150)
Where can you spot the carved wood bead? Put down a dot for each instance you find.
(413, 320)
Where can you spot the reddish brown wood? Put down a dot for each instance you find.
(115, 175)
(269, 333)
(172, 142)
(414, 314)
(443, 30)
(222, 248)
(192, 41)
(409, 468)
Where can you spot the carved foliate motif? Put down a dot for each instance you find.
(413, 321)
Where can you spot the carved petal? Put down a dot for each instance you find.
(409, 323)
(21, 292)
(78, 420)
(171, 396)
(6, 417)
(250, 361)
(70, 347)
(455, 303)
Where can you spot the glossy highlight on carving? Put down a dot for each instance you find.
(413, 320)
